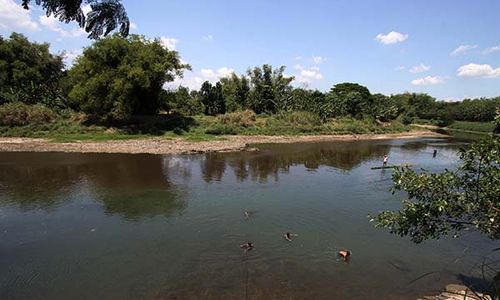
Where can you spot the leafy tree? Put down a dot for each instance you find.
(29, 72)
(300, 100)
(497, 120)
(450, 201)
(480, 110)
(384, 108)
(116, 78)
(349, 99)
(424, 105)
(182, 101)
(235, 90)
(269, 89)
(104, 17)
(212, 98)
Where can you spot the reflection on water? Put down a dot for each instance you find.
(275, 159)
(131, 186)
(87, 226)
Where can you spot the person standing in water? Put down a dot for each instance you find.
(386, 158)
(434, 153)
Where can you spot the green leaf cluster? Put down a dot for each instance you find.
(451, 201)
(116, 78)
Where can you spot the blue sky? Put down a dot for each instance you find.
(448, 48)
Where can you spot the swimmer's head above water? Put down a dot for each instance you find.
(344, 254)
(247, 246)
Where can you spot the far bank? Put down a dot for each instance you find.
(184, 146)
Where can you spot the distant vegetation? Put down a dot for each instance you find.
(118, 83)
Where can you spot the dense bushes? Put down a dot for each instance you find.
(116, 81)
(479, 110)
(116, 78)
(29, 73)
(292, 123)
(19, 114)
(473, 126)
(245, 118)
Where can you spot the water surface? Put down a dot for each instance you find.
(109, 226)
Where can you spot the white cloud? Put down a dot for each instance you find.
(14, 17)
(308, 75)
(86, 9)
(311, 74)
(400, 68)
(169, 43)
(208, 37)
(428, 80)
(491, 49)
(194, 80)
(318, 59)
(298, 57)
(190, 80)
(208, 73)
(419, 68)
(216, 74)
(71, 55)
(477, 70)
(133, 25)
(462, 49)
(391, 38)
(54, 24)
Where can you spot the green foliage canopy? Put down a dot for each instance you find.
(450, 201)
(116, 78)
(104, 16)
(212, 98)
(349, 99)
(270, 89)
(28, 71)
(235, 89)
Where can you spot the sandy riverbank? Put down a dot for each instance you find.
(182, 146)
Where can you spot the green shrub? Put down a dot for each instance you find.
(406, 118)
(299, 118)
(20, 114)
(244, 118)
(473, 126)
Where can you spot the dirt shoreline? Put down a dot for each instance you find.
(182, 146)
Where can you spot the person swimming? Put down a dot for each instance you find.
(247, 246)
(246, 214)
(344, 254)
(288, 236)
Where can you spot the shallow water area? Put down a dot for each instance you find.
(118, 226)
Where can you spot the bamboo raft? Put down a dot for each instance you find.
(391, 166)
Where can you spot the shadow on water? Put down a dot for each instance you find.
(275, 159)
(141, 185)
(133, 186)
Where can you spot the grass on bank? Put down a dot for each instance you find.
(481, 127)
(486, 127)
(69, 127)
(291, 123)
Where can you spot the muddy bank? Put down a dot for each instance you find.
(182, 146)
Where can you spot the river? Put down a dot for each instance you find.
(123, 226)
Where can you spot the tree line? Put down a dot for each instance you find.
(116, 78)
